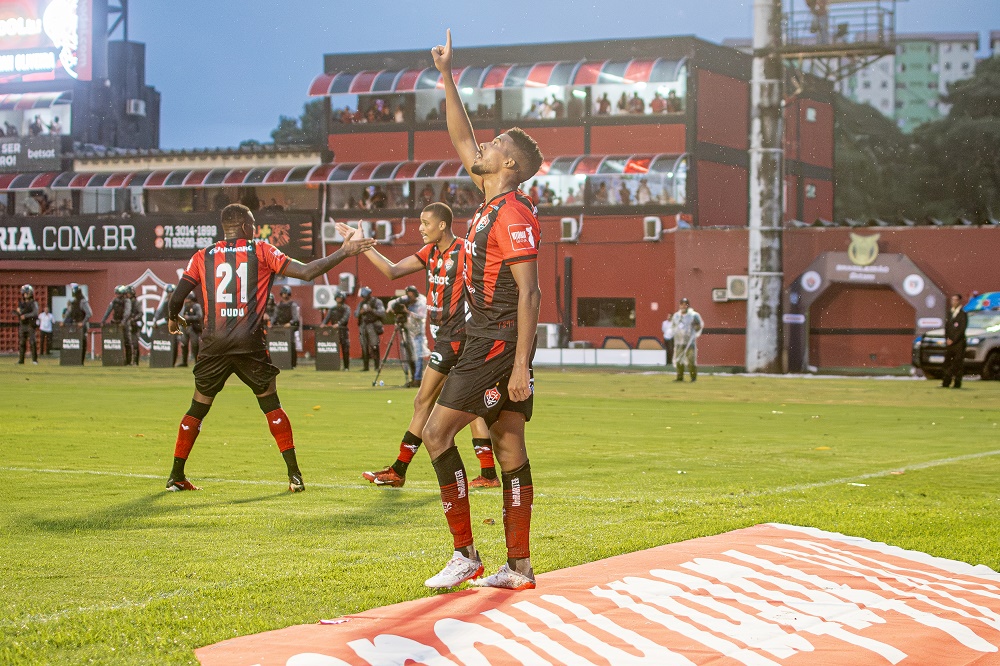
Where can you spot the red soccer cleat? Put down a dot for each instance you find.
(385, 477)
(177, 485)
(483, 482)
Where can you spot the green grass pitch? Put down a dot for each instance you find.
(99, 565)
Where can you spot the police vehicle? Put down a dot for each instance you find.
(982, 338)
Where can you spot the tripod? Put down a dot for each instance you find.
(405, 350)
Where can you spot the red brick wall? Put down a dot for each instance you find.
(723, 110)
(369, 147)
(638, 139)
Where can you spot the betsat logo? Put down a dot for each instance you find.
(491, 397)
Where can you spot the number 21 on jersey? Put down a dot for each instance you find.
(226, 288)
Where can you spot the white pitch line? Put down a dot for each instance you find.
(759, 493)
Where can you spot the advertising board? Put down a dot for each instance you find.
(46, 40)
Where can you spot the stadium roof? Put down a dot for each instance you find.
(36, 100)
(344, 172)
(533, 75)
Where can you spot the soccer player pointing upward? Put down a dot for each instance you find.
(235, 276)
(493, 376)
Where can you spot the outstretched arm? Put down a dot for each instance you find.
(354, 244)
(459, 125)
(410, 264)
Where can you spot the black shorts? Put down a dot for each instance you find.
(254, 369)
(446, 354)
(478, 384)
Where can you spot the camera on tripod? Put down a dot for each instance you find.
(399, 310)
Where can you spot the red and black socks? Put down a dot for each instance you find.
(455, 498)
(518, 496)
(281, 430)
(483, 447)
(407, 449)
(187, 433)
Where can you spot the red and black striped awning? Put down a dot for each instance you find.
(534, 75)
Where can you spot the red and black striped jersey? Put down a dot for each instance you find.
(235, 278)
(445, 295)
(504, 231)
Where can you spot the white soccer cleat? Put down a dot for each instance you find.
(458, 570)
(507, 579)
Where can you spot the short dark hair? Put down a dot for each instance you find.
(530, 156)
(959, 297)
(441, 211)
(234, 214)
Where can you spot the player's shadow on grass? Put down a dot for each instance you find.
(135, 514)
(392, 508)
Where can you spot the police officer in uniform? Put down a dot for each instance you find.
(78, 311)
(338, 316)
(27, 314)
(369, 314)
(120, 312)
(191, 337)
(160, 320)
(288, 314)
(134, 325)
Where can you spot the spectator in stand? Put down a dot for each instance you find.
(622, 105)
(45, 321)
(636, 105)
(400, 115)
(220, 200)
(643, 195)
(674, 103)
(35, 127)
(574, 109)
(366, 200)
(658, 104)
(427, 195)
(548, 195)
(624, 195)
(446, 196)
(603, 105)
(535, 193)
(570, 199)
(557, 107)
(9, 130)
(601, 194)
(346, 116)
(379, 198)
(274, 206)
(55, 127)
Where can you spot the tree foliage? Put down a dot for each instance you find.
(308, 129)
(946, 168)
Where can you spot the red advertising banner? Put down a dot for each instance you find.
(46, 40)
(762, 596)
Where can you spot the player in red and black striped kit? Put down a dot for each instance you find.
(446, 312)
(493, 377)
(234, 277)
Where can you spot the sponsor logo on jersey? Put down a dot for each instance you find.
(522, 236)
(436, 357)
(491, 397)
(449, 264)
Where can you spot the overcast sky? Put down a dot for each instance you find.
(228, 68)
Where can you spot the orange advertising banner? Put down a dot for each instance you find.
(767, 595)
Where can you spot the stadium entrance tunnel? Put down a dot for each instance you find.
(851, 276)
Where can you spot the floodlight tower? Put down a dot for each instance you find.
(827, 38)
